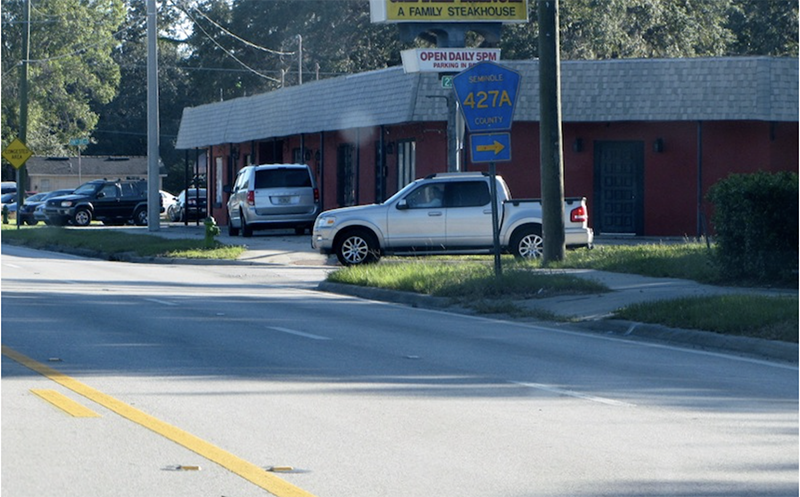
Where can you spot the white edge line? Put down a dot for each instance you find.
(162, 302)
(298, 333)
(572, 393)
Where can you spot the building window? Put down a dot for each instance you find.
(345, 175)
(406, 162)
(218, 182)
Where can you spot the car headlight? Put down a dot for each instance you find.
(66, 203)
(326, 222)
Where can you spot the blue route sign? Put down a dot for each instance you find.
(487, 93)
(490, 147)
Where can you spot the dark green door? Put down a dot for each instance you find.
(619, 187)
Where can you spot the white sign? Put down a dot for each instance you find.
(446, 59)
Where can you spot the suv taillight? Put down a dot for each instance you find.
(316, 194)
(578, 215)
(251, 197)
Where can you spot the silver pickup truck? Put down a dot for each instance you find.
(446, 213)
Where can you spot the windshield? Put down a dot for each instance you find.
(86, 189)
(36, 198)
(402, 192)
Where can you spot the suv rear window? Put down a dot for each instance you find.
(281, 178)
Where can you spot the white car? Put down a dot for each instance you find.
(167, 199)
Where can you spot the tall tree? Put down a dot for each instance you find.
(122, 129)
(71, 70)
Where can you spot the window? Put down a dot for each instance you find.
(406, 162)
(109, 191)
(218, 189)
(274, 178)
(426, 197)
(468, 194)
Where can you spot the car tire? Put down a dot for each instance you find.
(247, 230)
(82, 217)
(527, 243)
(140, 217)
(357, 247)
(232, 230)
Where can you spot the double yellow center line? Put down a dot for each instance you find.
(249, 471)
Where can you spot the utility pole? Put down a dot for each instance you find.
(153, 195)
(23, 103)
(300, 59)
(550, 139)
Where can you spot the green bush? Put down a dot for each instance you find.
(756, 224)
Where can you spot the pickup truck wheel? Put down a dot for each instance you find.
(527, 243)
(82, 217)
(140, 217)
(357, 247)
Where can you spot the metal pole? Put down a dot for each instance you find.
(300, 59)
(498, 269)
(153, 197)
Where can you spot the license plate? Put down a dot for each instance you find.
(283, 200)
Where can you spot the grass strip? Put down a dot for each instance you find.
(758, 316)
(111, 243)
(466, 280)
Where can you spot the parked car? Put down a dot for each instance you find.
(272, 196)
(9, 187)
(445, 213)
(26, 212)
(167, 200)
(112, 202)
(33, 203)
(189, 204)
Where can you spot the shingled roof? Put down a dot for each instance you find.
(701, 89)
(90, 165)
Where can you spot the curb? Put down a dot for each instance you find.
(754, 347)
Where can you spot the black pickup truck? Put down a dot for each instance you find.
(112, 202)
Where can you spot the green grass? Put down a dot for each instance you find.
(690, 260)
(465, 280)
(112, 244)
(773, 318)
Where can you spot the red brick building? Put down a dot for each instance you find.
(644, 139)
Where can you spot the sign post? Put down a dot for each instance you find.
(487, 93)
(17, 153)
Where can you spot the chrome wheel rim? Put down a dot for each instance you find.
(355, 250)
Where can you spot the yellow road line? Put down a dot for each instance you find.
(249, 471)
(65, 404)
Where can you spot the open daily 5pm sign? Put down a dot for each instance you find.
(449, 10)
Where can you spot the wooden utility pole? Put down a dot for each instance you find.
(550, 139)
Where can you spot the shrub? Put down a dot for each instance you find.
(756, 224)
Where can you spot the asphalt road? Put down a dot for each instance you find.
(202, 377)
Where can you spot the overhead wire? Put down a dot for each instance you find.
(232, 35)
(227, 52)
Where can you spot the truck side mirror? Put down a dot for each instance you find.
(402, 205)
(101, 194)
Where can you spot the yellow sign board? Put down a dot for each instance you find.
(449, 10)
(17, 153)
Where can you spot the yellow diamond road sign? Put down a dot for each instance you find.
(17, 153)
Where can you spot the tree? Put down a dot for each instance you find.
(766, 27)
(71, 71)
(122, 128)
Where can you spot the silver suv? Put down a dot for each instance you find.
(273, 196)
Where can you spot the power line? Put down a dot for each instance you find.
(269, 78)
(232, 35)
